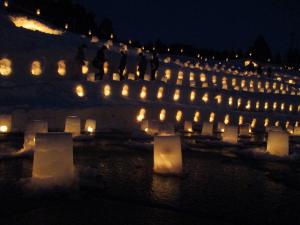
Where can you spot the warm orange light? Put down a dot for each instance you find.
(79, 91)
(143, 93)
(5, 67)
(160, 93)
(141, 115)
(62, 68)
(36, 68)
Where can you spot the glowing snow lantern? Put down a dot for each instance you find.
(73, 126)
(239, 102)
(125, 90)
(207, 129)
(61, 68)
(116, 77)
(197, 117)
(266, 106)
(176, 96)
(233, 82)
(38, 12)
(131, 76)
(5, 67)
(188, 126)
(278, 143)
(162, 115)
(214, 79)
(5, 123)
(90, 126)
(241, 120)
(192, 96)
(180, 75)
(257, 105)
(36, 68)
(192, 76)
(230, 134)
(212, 117)
(80, 91)
(226, 119)
(160, 93)
(230, 101)
(143, 93)
(205, 98)
(167, 155)
(248, 105)
(168, 74)
(274, 106)
(291, 108)
(141, 115)
(244, 130)
(253, 123)
(85, 68)
(202, 77)
(53, 159)
(266, 122)
(178, 116)
(107, 90)
(282, 106)
(32, 128)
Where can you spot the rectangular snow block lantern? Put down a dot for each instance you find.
(5, 123)
(230, 134)
(91, 77)
(244, 130)
(179, 82)
(32, 128)
(167, 155)
(116, 77)
(150, 127)
(166, 129)
(188, 126)
(207, 129)
(297, 131)
(73, 126)
(147, 77)
(278, 143)
(90, 126)
(221, 127)
(53, 157)
(131, 76)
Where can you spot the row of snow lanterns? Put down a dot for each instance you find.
(80, 91)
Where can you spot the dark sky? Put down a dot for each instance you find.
(217, 24)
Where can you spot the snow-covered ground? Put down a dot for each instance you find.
(52, 97)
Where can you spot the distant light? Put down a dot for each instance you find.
(111, 36)
(3, 129)
(90, 32)
(5, 3)
(38, 12)
(66, 26)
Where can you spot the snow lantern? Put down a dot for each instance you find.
(143, 93)
(125, 90)
(53, 158)
(79, 90)
(205, 98)
(32, 128)
(106, 68)
(91, 77)
(226, 119)
(85, 68)
(107, 90)
(141, 115)
(197, 117)
(167, 155)
(207, 129)
(192, 96)
(160, 93)
(168, 74)
(162, 115)
(230, 134)
(36, 68)
(176, 96)
(73, 125)
(116, 77)
(188, 126)
(278, 143)
(212, 117)
(131, 76)
(296, 131)
(179, 116)
(244, 130)
(61, 68)
(90, 126)
(5, 123)
(5, 67)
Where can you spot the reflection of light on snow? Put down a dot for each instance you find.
(31, 24)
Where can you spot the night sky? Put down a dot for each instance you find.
(211, 24)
